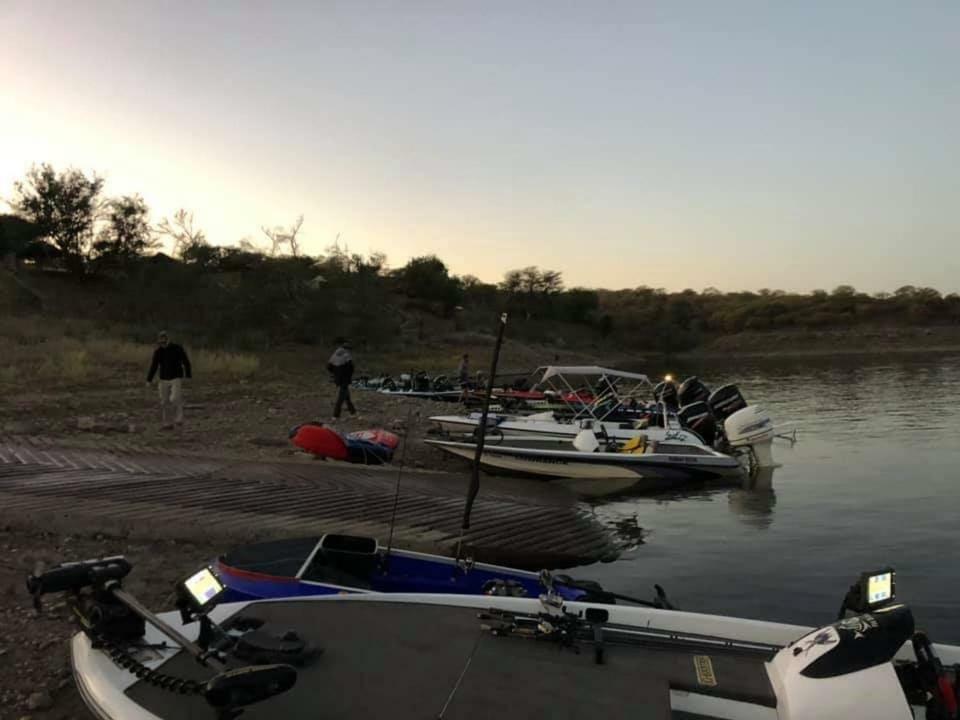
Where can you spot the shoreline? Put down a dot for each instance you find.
(707, 354)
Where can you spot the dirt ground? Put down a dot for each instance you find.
(238, 419)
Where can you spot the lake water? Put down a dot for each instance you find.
(872, 482)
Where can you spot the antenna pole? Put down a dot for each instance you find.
(481, 436)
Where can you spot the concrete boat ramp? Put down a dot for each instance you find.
(120, 488)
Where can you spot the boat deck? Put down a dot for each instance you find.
(414, 661)
(139, 491)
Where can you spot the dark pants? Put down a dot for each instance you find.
(343, 396)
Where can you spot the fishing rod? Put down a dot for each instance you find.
(396, 494)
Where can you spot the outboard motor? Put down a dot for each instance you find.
(751, 428)
(692, 391)
(725, 401)
(698, 418)
(421, 382)
(666, 392)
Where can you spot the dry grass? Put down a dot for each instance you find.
(225, 364)
(39, 351)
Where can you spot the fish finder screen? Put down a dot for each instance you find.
(879, 588)
(203, 587)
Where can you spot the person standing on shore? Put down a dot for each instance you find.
(171, 362)
(463, 371)
(463, 377)
(341, 368)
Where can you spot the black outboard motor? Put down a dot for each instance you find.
(666, 392)
(692, 391)
(421, 382)
(698, 418)
(725, 401)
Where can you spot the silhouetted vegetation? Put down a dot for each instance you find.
(247, 297)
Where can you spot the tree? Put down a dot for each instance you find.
(844, 291)
(127, 233)
(578, 305)
(605, 326)
(63, 206)
(280, 236)
(427, 278)
(532, 280)
(17, 236)
(182, 232)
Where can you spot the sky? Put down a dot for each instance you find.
(739, 145)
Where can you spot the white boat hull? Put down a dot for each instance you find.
(870, 693)
(653, 470)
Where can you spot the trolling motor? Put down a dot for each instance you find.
(115, 622)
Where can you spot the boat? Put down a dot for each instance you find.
(688, 415)
(650, 465)
(456, 656)
(363, 447)
(333, 564)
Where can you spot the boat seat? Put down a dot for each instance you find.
(586, 441)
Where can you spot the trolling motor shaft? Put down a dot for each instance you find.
(115, 622)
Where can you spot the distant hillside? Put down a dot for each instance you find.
(81, 254)
(288, 302)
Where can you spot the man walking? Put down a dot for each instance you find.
(173, 365)
(341, 368)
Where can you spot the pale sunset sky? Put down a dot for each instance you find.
(742, 145)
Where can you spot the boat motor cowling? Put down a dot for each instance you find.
(725, 401)
(752, 428)
(666, 392)
(698, 418)
(692, 390)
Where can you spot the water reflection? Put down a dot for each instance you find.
(753, 503)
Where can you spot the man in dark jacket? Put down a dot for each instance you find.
(173, 365)
(341, 368)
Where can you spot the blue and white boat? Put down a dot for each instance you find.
(333, 564)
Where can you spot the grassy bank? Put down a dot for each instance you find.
(64, 353)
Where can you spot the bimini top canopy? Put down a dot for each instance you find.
(592, 371)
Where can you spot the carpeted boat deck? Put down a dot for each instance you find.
(414, 661)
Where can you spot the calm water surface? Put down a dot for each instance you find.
(873, 481)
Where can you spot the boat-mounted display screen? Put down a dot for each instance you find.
(878, 588)
(203, 589)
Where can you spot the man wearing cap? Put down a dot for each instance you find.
(173, 365)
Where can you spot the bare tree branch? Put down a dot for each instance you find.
(280, 236)
(182, 232)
